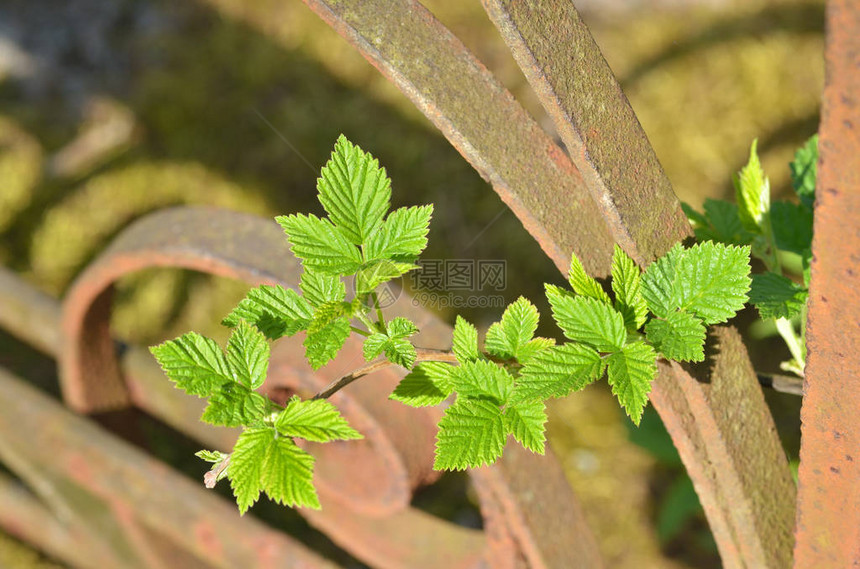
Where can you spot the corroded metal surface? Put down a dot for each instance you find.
(481, 119)
(725, 435)
(107, 494)
(365, 487)
(828, 515)
(563, 64)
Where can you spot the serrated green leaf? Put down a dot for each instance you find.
(378, 272)
(274, 310)
(532, 348)
(631, 372)
(752, 193)
(659, 282)
(394, 343)
(471, 434)
(803, 171)
(234, 405)
(248, 355)
(713, 280)
(320, 288)
(482, 379)
(465, 341)
(194, 363)
(776, 296)
(314, 420)
(263, 461)
(329, 312)
(428, 384)
(320, 244)
(583, 284)
(584, 319)
(525, 421)
(553, 291)
(627, 286)
(214, 456)
(403, 236)
(354, 190)
(508, 337)
(679, 337)
(558, 371)
(792, 226)
(323, 345)
(709, 280)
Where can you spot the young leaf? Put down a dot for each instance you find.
(321, 346)
(508, 337)
(248, 355)
(775, 296)
(378, 272)
(214, 456)
(320, 288)
(627, 286)
(631, 372)
(403, 236)
(680, 337)
(320, 244)
(274, 310)
(803, 171)
(428, 384)
(709, 280)
(752, 193)
(482, 379)
(713, 280)
(262, 461)
(354, 190)
(583, 284)
(533, 348)
(465, 341)
(471, 434)
(525, 421)
(584, 319)
(557, 371)
(314, 420)
(394, 343)
(725, 223)
(234, 405)
(194, 363)
(792, 226)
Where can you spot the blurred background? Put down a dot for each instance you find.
(111, 110)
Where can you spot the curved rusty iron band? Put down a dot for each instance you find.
(750, 506)
(378, 526)
(481, 119)
(828, 514)
(94, 474)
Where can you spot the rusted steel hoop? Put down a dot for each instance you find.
(379, 528)
(481, 119)
(828, 512)
(750, 507)
(108, 492)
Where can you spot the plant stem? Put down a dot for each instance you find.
(358, 330)
(380, 318)
(781, 383)
(371, 327)
(786, 330)
(422, 355)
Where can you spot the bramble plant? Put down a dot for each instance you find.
(497, 391)
(778, 232)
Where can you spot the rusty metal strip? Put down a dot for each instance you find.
(88, 461)
(563, 64)
(725, 435)
(481, 119)
(828, 515)
(365, 495)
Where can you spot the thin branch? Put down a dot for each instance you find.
(422, 355)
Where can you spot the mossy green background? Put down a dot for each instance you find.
(238, 104)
